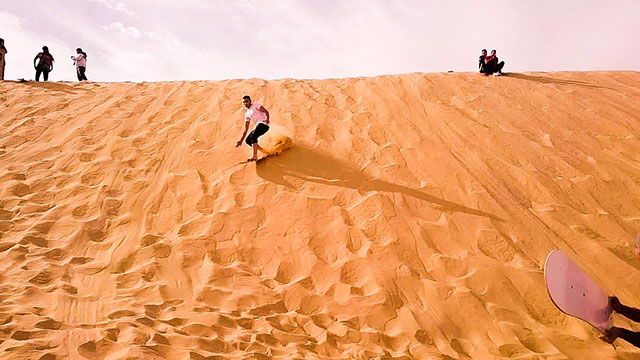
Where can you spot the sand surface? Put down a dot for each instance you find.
(410, 220)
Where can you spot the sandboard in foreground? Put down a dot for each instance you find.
(574, 293)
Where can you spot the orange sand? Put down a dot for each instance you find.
(410, 220)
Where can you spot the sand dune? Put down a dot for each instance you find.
(410, 219)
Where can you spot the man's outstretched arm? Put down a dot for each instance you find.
(246, 128)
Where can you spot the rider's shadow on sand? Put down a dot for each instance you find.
(309, 165)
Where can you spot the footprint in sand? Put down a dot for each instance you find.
(79, 260)
(43, 278)
(587, 231)
(35, 240)
(18, 176)
(162, 251)
(495, 246)
(124, 264)
(49, 324)
(6, 225)
(96, 235)
(55, 254)
(354, 272)
(21, 189)
(80, 211)
(205, 205)
(90, 350)
(423, 337)
(112, 334)
(6, 246)
(6, 214)
(69, 289)
(23, 335)
(149, 240)
(112, 207)
(5, 319)
(125, 133)
(92, 178)
(87, 157)
(113, 193)
(43, 228)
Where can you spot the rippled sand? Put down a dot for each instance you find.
(410, 219)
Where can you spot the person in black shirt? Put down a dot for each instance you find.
(44, 65)
(481, 63)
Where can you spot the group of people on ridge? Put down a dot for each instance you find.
(489, 65)
(43, 63)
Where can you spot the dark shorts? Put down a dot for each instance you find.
(253, 136)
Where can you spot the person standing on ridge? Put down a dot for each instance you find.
(492, 65)
(45, 65)
(481, 60)
(3, 53)
(80, 62)
(257, 114)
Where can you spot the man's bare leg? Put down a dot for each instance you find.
(614, 332)
(256, 147)
(262, 149)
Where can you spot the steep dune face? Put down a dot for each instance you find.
(411, 219)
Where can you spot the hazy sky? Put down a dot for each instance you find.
(151, 40)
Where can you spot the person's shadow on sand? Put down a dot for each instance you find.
(309, 165)
(550, 80)
(54, 86)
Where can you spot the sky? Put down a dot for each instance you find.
(158, 40)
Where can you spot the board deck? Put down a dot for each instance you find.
(575, 293)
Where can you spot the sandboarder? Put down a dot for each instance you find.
(3, 53)
(257, 114)
(80, 62)
(45, 65)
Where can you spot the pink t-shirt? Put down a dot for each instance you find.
(254, 114)
(81, 60)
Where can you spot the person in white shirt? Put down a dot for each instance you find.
(257, 114)
(80, 62)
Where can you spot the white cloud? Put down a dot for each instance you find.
(116, 5)
(131, 31)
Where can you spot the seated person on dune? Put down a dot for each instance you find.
(491, 64)
(483, 56)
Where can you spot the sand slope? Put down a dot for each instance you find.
(411, 218)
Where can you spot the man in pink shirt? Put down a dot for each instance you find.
(257, 114)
